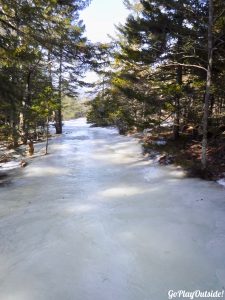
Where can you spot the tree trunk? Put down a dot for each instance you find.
(47, 132)
(176, 126)
(13, 122)
(22, 123)
(179, 78)
(58, 112)
(24, 114)
(208, 88)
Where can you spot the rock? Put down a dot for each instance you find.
(166, 159)
(162, 159)
(23, 163)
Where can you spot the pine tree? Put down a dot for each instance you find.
(33, 37)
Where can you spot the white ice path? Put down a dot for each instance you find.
(94, 220)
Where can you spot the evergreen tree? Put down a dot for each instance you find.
(39, 40)
(169, 65)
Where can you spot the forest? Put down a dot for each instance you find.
(166, 66)
(164, 72)
(44, 55)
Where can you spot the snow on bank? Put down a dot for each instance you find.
(9, 165)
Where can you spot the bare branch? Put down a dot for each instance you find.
(184, 65)
(220, 15)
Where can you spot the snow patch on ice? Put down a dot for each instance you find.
(152, 173)
(121, 191)
(156, 172)
(45, 171)
(221, 181)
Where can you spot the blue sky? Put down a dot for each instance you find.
(100, 17)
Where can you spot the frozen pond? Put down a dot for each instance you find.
(94, 220)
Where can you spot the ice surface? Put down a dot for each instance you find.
(95, 221)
